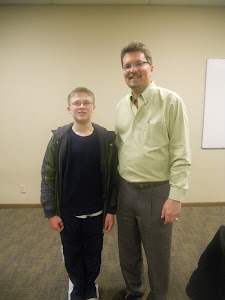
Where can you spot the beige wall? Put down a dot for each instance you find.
(46, 51)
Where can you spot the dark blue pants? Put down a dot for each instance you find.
(82, 241)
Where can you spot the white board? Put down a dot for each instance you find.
(214, 111)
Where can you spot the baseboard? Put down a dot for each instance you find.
(202, 204)
(193, 204)
(20, 206)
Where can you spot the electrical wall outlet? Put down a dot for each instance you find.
(22, 188)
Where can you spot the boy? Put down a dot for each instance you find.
(79, 190)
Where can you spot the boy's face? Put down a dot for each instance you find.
(81, 107)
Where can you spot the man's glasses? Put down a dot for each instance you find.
(78, 104)
(137, 65)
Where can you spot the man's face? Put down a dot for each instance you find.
(137, 78)
(81, 107)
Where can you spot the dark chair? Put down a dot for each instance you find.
(207, 282)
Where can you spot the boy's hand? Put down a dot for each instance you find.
(56, 223)
(109, 222)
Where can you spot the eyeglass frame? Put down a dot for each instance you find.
(78, 104)
(138, 64)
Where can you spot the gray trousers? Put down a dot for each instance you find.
(139, 222)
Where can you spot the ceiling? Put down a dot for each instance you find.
(127, 2)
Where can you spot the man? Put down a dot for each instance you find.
(154, 157)
(79, 191)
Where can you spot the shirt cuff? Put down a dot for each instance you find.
(177, 194)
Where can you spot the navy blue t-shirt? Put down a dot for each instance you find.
(82, 184)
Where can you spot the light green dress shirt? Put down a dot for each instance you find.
(153, 140)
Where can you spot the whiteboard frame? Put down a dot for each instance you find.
(213, 135)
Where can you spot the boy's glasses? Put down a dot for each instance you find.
(78, 104)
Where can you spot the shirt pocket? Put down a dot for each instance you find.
(155, 135)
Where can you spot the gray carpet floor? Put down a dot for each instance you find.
(31, 265)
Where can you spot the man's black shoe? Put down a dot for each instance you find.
(123, 295)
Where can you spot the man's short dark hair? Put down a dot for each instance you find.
(134, 47)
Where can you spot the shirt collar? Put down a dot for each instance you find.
(145, 94)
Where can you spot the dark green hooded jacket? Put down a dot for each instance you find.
(54, 163)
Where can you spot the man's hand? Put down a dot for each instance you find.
(171, 210)
(56, 223)
(109, 222)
